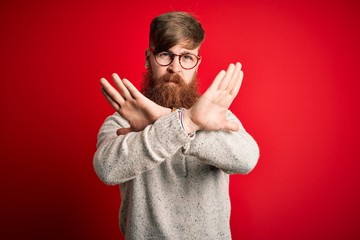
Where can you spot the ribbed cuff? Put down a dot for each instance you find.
(170, 133)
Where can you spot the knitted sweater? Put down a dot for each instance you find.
(173, 186)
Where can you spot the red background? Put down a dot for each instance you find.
(299, 100)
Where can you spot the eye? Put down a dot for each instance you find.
(189, 57)
(163, 54)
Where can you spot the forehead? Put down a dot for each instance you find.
(181, 48)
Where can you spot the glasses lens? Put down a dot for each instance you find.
(188, 60)
(163, 58)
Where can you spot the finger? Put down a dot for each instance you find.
(123, 131)
(111, 92)
(124, 92)
(132, 89)
(110, 100)
(231, 126)
(229, 73)
(236, 88)
(235, 77)
(215, 84)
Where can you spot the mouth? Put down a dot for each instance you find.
(171, 83)
(170, 80)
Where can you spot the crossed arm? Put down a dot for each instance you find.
(208, 113)
(233, 152)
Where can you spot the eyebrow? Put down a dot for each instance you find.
(184, 52)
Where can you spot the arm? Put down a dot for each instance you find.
(233, 152)
(121, 158)
(113, 161)
(208, 113)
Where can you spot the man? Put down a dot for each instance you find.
(170, 150)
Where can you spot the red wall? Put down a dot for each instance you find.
(299, 99)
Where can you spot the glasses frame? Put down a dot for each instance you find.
(173, 55)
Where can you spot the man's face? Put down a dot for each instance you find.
(171, 86)
(187, 75)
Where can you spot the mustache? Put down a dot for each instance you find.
(173, 78)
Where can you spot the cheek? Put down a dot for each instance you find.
(188, 76)
(157, 70)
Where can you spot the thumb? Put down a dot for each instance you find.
(231, 126)
(123, 131)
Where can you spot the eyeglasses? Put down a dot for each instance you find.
(187, 60)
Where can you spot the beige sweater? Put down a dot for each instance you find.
(173, 186)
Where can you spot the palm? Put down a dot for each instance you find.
(138, 110)
(209, 112)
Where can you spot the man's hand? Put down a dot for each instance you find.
(209, 112)
(137, 109)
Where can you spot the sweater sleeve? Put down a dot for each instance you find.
(120, 158)
(233, 152)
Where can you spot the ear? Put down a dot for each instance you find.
(147, 55)
(199, 61)
(197, 66)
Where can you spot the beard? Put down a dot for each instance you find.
(170, 90)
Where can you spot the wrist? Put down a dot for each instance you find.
(189, 125)
(165, 111)
(158, 113)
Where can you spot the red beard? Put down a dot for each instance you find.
(170, 90)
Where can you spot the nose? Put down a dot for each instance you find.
(175, 66)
